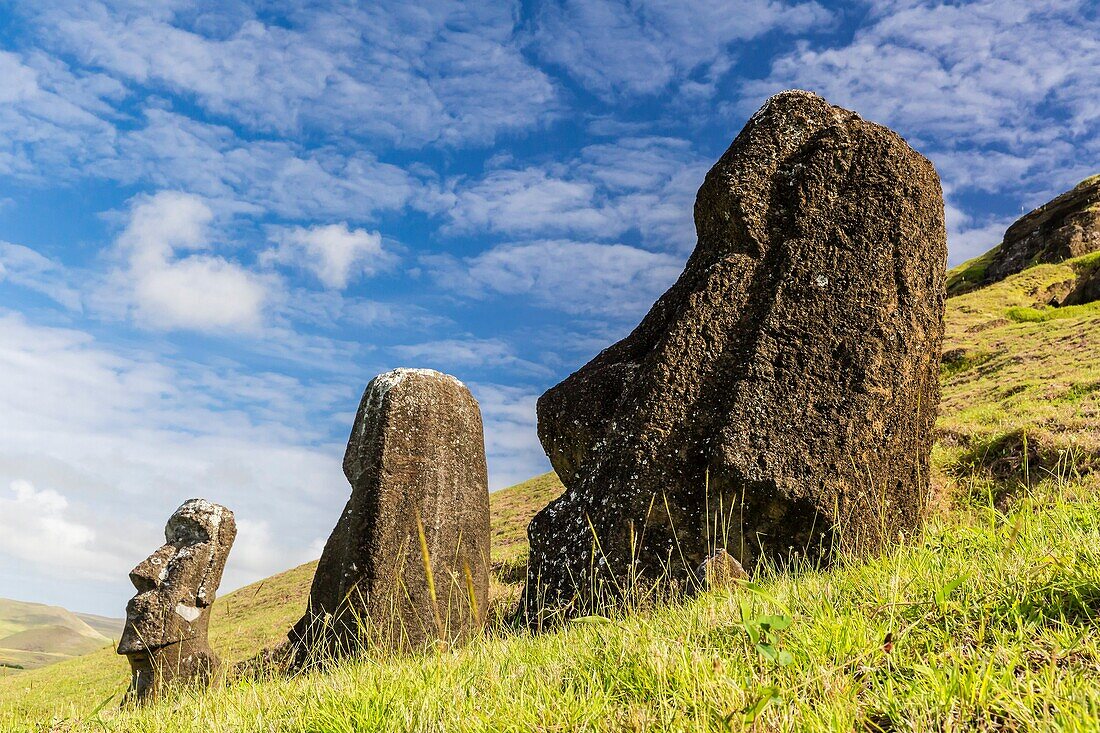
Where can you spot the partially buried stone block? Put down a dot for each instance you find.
(165, 638)
(407, 565)
(778, 401)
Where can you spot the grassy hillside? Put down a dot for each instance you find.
(33, 635)
(1020, 376)
(987, 621)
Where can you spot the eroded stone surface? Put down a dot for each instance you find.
(1061, 229)
(165, 638)
(778, 400)
(416, 464)
(720, 570)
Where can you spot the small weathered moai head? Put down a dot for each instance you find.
(166, 622)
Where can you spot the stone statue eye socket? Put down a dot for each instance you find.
(187, 531)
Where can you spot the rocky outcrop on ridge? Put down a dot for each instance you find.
(1061, 229)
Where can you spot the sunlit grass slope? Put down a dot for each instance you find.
(987, 621)
(1017, 370)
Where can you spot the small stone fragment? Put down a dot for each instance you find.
(720, 570)
(165, 638)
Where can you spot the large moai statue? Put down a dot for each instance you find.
(778, 401)
(165, 638)
(407, 565)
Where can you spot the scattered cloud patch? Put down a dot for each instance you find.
(641, 48)
(27, 268)
(573, 277)
(448, 71)
(53, 121)
(171, 289)
(334, 253)
(531, 200)
(644, 184)
(258, 176)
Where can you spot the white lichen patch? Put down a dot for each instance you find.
(380, 386)
(383, 383)
(187, 613)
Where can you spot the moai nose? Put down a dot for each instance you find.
(151, 572)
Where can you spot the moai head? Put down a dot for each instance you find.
(166, 622)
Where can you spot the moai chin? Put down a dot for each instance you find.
(166, 622)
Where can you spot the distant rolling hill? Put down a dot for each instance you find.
(109, 627)
(34, 635)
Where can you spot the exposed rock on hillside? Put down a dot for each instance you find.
(778, 400)
(165, 638)
(1066, 227)
(1085, 289)
(416, 464)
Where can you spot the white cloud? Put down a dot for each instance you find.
(200, 293)
(530, 200)
(193, 291)
(256, 177)
(27, 268)
(647, 184)
(52, 120)
(410, 74)
(644, 47)
(38, 527)
(574, 277)
(332, 252)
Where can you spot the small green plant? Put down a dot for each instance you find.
(759, 703)
(764, 631)
(942, 595)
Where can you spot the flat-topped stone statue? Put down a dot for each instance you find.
(778, 401)
(165, 638)
(407, 565)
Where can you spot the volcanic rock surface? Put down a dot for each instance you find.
(165, 637)
(419, 501)
(778, 401)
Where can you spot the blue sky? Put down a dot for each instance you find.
(219, 220)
